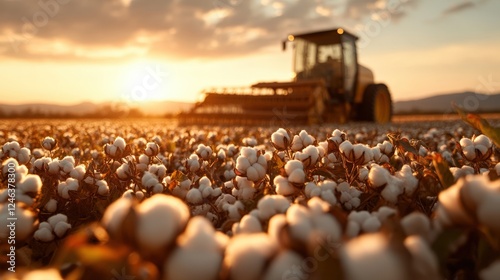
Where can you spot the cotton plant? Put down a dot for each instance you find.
(476, 149)
(302, 140)
(27, 186)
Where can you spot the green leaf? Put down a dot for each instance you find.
(480, 124)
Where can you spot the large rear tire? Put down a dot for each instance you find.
(377, 104)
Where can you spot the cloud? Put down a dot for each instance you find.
(459, 7)
(114, 29)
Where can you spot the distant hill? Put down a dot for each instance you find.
(151, 108)
(471, 101)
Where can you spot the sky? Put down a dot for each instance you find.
(70, 51)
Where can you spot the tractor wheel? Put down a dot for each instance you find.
(377, 104)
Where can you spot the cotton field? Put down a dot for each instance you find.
(148, 200)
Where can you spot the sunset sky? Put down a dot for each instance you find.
(70, 51)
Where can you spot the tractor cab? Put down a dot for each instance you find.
(329, 55)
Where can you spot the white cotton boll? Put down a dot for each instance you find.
(298, 176)
(369, 257)
(466, 142)
(310, 188)
(358, 216)
(48, 143)
(384, 212)
(497, 168)
(248, 224)
(245, 260)
(78, 172)
(424, 261)
(159, 220)
(194, 196)
(61, 228)
(492, 272)
(115, 214)
(242, 163)
(269, 205)
(280, 139)
(329, 197)
(410, 183)
(252, 174)
(196, 248)
(378, 175)
(363, 174)
(327, 226)
(461, 172)
(469, 152)
(292, 165)
(372, 224)
(44, 235)
(30, 184)
(54, 220)
(158, 188)
(353, 229)
(454, 211)
(481, 148)
(346, 147)
(123, 171)
(102, 187)
(45, 225)
(483, 140)
(51, 205)
(53, 167)
(62, 190)
(23, 156)
(318, 206)
(193, 163)
(392, 191)
(234, 210)
(282, 267)
(299, 220)
(152, 149)
(416, 223)
(283, 187)
(139, 195)
(120, 143)
(276, 224)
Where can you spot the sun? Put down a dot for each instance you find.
(145, 80)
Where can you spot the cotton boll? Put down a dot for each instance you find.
(358, 217)
(283, 187)
(120, 143)
(248, 224)
(115, 214)
(372, 224)
(233, 210)
(48, 143)
(410, 183)
(292, 165)
(424, 261)
(353, 229)
(51, 205)
(298, 176)
(282, 267)
(78, 172)
(269, 205)
(23, 156)
(159, 219)
(416, 223)
(299, 221)
(482, 140)
(30, 184)
(384, 212)
(378, 175)
(152, 149)
(392, 191)
(61, 228)
(54, 220)
(454, 211)
(44, 235)
(246, 261)
(369, 257)
(197, 248)
(102, 187)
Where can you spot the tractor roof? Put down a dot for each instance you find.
(329, 34)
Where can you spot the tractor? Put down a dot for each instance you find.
(329, 86)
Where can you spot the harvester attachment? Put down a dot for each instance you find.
(267, 104)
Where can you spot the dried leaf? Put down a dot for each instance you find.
(442, 170)
(480, 124)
